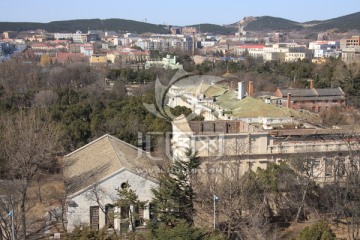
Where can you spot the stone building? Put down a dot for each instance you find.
(256, 142)
(94, 172)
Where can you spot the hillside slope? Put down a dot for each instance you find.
(85, 24)
(267, 23)
(343, 24)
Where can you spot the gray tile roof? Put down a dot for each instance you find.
(315, 92)
(101, 158)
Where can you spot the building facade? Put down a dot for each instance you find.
(257, 143)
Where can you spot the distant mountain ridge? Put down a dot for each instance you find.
(263, 23)
(344, 23)
(272, 23)
(83, 25)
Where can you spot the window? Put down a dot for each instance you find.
(139, 210)
(94, 217)
(341, 171)
(109, 215)
(124, 212)
(124, 185)
(329, 164)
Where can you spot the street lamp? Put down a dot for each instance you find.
(215, 198)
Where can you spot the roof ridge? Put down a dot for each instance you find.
(139, 155)
(113, 148)
(127, 144)
(86, 145)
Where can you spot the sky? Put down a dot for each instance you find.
(174, 12)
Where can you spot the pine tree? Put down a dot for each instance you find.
(173, 200)
(129, 200)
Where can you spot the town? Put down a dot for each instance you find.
(206, 132)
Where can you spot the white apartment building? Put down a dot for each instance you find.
(166, 42)
(77, 37)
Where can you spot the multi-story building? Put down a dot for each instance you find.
(350, 42)
(77, 37)
(299, 53)
(166, 43)
(167, 63)
(351, 54)
(128, 56)
(325, 49)
(260, 141)
(254, 50)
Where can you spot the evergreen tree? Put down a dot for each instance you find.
(318, 231)
(129, 201)
(173, 200)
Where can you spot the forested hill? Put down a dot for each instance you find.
(343, 24)
(85, 24)
(267, 23)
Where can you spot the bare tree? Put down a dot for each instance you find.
(28, 141)
(243, 206)
(307, 169)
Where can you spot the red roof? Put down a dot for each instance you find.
(63, 57)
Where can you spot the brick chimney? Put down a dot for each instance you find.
(289, 100)
(311, 83)
(251, 89)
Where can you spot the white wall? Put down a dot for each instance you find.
(80, 214)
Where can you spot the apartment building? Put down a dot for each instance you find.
(351, 54)
(350, 42)
(254, 50)
(167, 62)
(325, 49)
(166, 43)
(77, 37)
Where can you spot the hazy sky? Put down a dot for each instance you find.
(174, 12)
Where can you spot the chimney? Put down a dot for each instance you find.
(240, 91)
(251, 89)
(311, 83)
(289, 100)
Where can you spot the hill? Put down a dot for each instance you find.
(213, 28)
(267, 23)
(85, 24)
(343, 24)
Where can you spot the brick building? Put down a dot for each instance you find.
(312, 99)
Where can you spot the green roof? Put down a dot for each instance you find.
(214, 90)
(251, 108)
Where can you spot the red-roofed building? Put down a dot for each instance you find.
(66, 57)
(254, 50)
